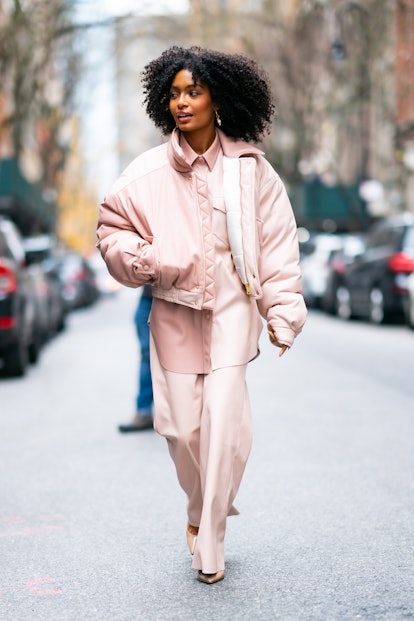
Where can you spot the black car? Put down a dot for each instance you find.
(374, 284)
(20, 338)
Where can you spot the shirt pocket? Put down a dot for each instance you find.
(220, 220)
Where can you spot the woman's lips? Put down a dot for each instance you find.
(181, 118)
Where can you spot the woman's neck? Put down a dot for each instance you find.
(200, 143)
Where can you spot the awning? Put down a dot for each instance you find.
(23, 202)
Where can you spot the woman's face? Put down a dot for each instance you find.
(191, 104)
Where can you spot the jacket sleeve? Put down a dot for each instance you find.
(125, 245)
(282, 304)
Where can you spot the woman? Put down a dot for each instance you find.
(207, 222)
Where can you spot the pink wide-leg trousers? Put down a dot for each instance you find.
(207, 424)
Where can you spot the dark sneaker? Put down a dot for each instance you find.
(138, 423)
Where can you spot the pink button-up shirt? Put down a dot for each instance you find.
(226, 332)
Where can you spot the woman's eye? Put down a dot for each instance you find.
(194, 93)
(173, 95)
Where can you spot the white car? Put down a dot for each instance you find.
(315, 255)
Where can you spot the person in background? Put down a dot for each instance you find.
(205, 219)
(144, 400)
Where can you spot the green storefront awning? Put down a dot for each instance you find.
(22, 201)
(339, 204)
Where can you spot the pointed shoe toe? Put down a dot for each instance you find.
(211, 578)
(191, 534)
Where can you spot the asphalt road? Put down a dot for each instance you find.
(92, 522)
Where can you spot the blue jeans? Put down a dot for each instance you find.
(144, 398)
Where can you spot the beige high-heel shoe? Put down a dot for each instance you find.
(191, 533)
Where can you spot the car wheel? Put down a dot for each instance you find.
(35, 348)
(16, 360)
(376, 310)
(410, 312)
(343, 303)
(61, 326)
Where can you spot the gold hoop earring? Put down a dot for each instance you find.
(218, 119)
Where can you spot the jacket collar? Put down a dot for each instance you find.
(210, 156)
(231, 148)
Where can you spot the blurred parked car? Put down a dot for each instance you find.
(38, 250)
(20, 335)
(338, 262)
(80, 288)
(315, 253)
(375, 282)
(73, 279)
(107, 285)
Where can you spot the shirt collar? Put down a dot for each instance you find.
(210, 156)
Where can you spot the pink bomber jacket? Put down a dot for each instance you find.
(149, 232)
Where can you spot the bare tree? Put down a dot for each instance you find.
(332, 68)
(39, 67)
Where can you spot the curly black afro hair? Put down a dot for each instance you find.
(237, 85)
